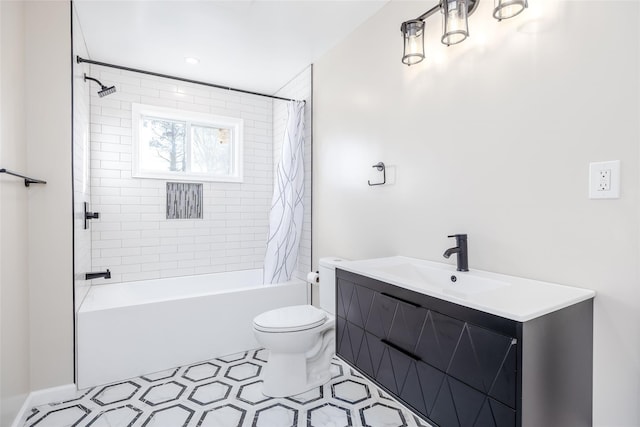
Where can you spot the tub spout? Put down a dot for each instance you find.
(96, 274)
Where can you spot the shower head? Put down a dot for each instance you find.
(104, 91)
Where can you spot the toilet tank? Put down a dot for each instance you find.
(327, 284)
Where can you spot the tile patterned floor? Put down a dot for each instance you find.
(225, 392)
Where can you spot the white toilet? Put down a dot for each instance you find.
(300, 340)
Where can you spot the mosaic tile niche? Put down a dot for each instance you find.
(184, 200)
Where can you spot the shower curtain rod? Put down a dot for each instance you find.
(182, 79)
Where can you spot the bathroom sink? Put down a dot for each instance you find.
(515, 298)
(460, 284)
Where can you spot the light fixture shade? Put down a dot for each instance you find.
(505, 9)
(456, 27)
(413, 35)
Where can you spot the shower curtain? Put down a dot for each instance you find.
(285, 218)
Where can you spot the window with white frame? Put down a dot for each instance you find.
(184, 145)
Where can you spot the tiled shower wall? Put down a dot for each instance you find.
(298, 88)
(133, 238)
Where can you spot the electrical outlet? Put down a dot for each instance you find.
(604, 180)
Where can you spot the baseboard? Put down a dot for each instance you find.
(41, 397)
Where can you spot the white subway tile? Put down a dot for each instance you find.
(119, 252)
(105, 262)
(210, 269)
(108, 235)
(148, 275)
(140, 259)
(141, 243)
(153, 217)
(137, 191)
(102, 103)
(176, 256)
(165, 85)
(175, 97)
(115, 130)
(234, 266)
(159, 102)
(190, 106)
(159, 266)
(160, 249)
(193, 263)
(194, 248)
(105, 226)
(210, 239)
(192, 89)
(176, 240)
(140, 225)
(105, 120)
(115, 112)
(141, 209)
(104, 244)
(177, 272)
(138, 90)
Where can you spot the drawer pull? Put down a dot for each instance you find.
(401, 350)
(413, 304)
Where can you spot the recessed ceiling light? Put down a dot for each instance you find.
(191, 60)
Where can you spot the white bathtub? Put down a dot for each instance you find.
(130, 329)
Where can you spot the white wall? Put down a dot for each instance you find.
(493, 138)
(14, 285)
(298, 88)
(133, 238)
(81, 181)
(48, 143)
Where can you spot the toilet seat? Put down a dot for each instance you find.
(290, 319)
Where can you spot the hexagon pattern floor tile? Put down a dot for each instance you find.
(226, 392)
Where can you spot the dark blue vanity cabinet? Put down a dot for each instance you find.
(457, 366)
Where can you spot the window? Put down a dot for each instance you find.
(185, 145)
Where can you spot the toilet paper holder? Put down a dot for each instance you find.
(382, 168)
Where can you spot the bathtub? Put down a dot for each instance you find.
(130, 329)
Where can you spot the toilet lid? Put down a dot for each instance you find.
(288, 319)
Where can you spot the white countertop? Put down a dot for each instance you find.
(511, 297)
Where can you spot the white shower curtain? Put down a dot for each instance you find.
(287, 209)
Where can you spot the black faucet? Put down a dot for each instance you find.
(95, 275)
(460, 250)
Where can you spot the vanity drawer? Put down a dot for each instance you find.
(396, 320)
(457, 404)
(479, 357)
(429, 391)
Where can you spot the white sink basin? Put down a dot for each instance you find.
(460, 284)
(512, 297)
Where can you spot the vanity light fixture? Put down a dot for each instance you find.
(455, 26)
(413, 33)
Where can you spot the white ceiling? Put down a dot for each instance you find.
(256, 45)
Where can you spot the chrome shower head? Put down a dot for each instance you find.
(104, 91)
